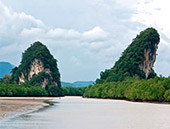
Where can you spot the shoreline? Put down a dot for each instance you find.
(128, 100)
(11, 106)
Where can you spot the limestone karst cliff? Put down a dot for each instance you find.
(38, 67)
(137, 60)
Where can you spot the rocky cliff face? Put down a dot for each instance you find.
(21, 79)
(137, 60)
(38, 67)
(35, 68)
(149, 61)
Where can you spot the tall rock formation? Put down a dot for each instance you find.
(137, 60)
(38, 67)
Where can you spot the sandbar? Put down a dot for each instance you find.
(10, 106)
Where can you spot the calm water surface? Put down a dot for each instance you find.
(79, 113)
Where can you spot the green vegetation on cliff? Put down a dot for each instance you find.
(136, 61)
(38, 69)
(37, 53)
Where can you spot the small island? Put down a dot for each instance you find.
(132, 77)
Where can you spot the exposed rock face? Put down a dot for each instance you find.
(21, 79)
(38, 67)
(45, 83)
(149, 61)
(136, 61)
(35, 68)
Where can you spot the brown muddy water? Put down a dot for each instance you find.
(82, 113)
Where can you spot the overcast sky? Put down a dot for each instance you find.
(85, 36)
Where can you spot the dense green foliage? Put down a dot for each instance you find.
(22, 90)
(128, 64)
(54, 91)
(37, 51)
(157, 89)
(14, 90)
(73, 91)
(36, 80)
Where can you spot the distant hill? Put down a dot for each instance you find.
(77, 83)
(5, 68)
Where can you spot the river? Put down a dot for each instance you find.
(82, 113)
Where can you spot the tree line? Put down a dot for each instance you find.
(14, 90)
(157, 89)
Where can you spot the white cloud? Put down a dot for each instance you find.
(93, 38)
(32, 32)
(96, 34)
(63, 34)
(155, 13)
(19, 30)
(21, 25)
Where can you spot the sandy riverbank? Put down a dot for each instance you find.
(10, 106)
